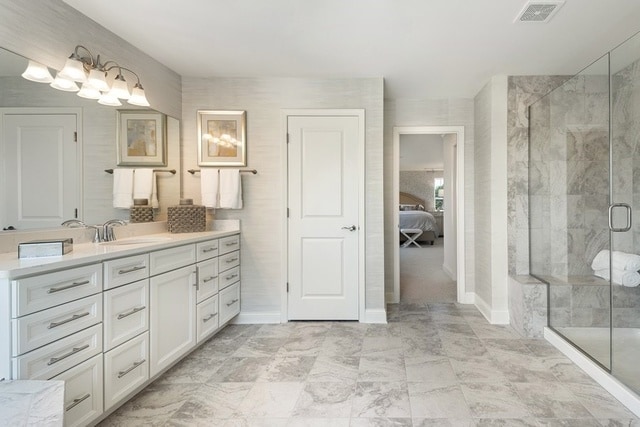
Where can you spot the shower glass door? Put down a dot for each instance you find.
(568, 201)
(625, 199)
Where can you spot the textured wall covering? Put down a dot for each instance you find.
(425, 112)
(261, 218)
(420, 184)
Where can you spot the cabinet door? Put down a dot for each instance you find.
(82, 392)
(173, 313)
(207, 279)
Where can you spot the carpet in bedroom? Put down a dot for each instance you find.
(421, 276)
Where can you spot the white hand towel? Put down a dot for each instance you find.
(619, 261)
(122, 188)
(143, 184)
(209, 179)
(154, 192)
(620, 277)
(230, 189)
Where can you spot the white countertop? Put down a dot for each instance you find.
(32, 403)
(85, 253)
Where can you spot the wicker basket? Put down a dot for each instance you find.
(141, 214)
(186, 217)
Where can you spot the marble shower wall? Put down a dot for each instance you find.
(420, 184)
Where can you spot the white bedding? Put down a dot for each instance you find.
(418, 219)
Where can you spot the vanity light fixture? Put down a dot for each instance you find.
(83, 67)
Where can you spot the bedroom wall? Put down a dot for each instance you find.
(428, 112)
(263, 275)
(420, 184)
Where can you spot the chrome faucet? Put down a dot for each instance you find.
(73, 223)
(107, 229)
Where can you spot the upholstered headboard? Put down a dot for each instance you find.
(409, 199)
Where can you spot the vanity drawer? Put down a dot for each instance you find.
(228, 277)
(228, 244)
(172, 259)
(206, 250)
(207, 279)
(230, 260)
(126, 367)
(38, 329)
(118, 272)
(48, 361)
(126, 313)
(229, 302)
(207, 318)
(82, 392)
(37, 293)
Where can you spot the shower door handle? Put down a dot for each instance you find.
(628, 210)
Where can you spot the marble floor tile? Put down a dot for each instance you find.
(192, 370)
(218, 348)
(419, 330)
(506, 422)
(281, 330)
(260, 347)
(196, 422)
(382, 346)
(463, 347)
(474, 369)
(485, 330)
(522, 368)
(271, 400)
(237, 331)
(214, 401)
(555, 422)
(302, 345)
(341, 346)
(347, 330)
(442, 422)
(381, 400)
(381, 368)
(325, 400)
(381, 422)
(334, 369)
(565, 370)
(434, 370)
(619, 422)
(432, 401)
(240, 369)
(384, 330)
(287, 369)
(422, 346)
(598, 401)
(318, 422)
(311, 329)
(550, 402)
(494, 400)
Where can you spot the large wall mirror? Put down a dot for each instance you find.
(85, 182)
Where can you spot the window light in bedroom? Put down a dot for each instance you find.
(438, 193)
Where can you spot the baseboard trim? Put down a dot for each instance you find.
(449, 272)
(495, 317)
(390, 298)
(468, 298)
(374, 316)
(627, 397)
(257, 318)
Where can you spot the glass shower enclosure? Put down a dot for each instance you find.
(584, 187)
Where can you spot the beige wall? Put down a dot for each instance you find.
(262, 217)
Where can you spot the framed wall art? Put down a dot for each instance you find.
(142, 139)
(222, 139)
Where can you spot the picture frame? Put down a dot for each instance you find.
(142, 138)
(222, 139)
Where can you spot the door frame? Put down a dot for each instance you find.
(460, 224)
(360, 113)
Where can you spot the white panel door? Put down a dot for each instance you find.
(40, 164)
(323, 217)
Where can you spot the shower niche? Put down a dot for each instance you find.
(584, 198)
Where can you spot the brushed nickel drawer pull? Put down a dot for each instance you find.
(211, 316)
(231, 260)
(64, 288)
(64, 356)
(231, 276)
(130, 368)
(231, 243)
(210, 278)
(77, 401)
(233, 301)
(132, 269)
(71, 319)
(129, 313)
(209, 250)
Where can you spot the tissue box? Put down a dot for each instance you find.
(186, 217)
(42, 248)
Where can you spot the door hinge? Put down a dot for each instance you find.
(76, 213)
(75, 137)
(287, 287)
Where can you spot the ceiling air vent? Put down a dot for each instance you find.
(539, 11)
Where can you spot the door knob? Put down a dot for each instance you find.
(352, 228)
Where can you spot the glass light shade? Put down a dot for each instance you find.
(138, 97)
(110, 100)
(37, 72)
(119, 89)
(64, 84)
(97, 80)
(74, 70)
(89, 92)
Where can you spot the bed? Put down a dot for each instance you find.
(413, 215)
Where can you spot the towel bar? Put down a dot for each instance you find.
(253, 171)
(171, 171)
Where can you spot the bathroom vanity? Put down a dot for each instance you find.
(108, 318)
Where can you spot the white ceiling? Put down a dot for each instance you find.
(421, 152)
(422, 48)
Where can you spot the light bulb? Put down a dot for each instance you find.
(74, 70)
(138, 97)
(64, 84)
(37, 72)
(89, 92)
(97, 80)
(110, 100)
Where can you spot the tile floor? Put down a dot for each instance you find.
(431, 365)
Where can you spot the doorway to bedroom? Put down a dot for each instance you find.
(428, 182)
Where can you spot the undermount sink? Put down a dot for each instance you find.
(137, 241)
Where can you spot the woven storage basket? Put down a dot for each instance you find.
(186, 217)
(141, 214)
